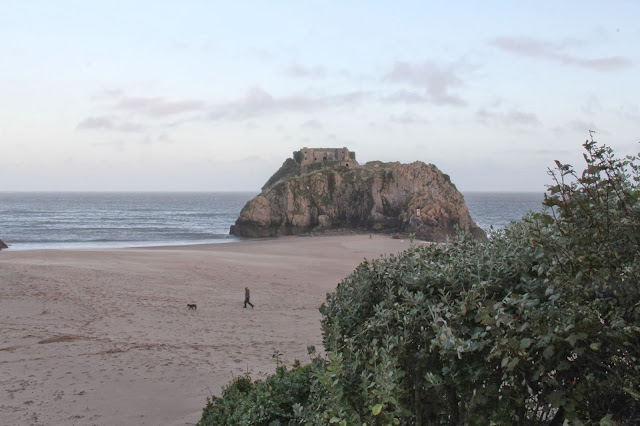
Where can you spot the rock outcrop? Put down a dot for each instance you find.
(3, 245)
(381, 197)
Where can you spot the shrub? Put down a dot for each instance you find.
(538, 325)
(261, 402)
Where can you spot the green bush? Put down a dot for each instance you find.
(262, 402)
(538, 325)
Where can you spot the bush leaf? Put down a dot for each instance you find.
(376, 409)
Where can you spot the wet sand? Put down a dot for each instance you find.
(104, 337)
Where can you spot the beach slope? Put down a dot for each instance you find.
(105, 337)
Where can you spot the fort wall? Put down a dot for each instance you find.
(339, 156)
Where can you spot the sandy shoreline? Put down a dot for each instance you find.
(104, 336)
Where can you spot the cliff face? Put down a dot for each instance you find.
(290, 168)
(3, 245)
(390, 197)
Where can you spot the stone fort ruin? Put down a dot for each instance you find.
(308, 160)
(307, 157)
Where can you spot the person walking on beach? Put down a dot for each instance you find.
(247, 297)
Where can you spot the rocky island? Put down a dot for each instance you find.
(319, 189)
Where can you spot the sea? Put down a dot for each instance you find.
(51, 220)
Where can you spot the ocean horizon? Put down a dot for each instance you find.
(116, 219)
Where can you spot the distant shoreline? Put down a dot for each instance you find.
(117, 245)
(102, 220)
(341, 232)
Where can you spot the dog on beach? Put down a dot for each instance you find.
(192, 306)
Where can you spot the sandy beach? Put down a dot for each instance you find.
(104, 337)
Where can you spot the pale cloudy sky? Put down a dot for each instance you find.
(213, 96)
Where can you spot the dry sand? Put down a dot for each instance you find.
(104, 336)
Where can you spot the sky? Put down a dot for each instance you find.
(214, 96)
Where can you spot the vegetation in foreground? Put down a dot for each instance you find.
(538, 325)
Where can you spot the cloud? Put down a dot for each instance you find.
(258, 102)
(260, 54)
(158, 107)
(556, 52)
(152, 139)
(628, 111)
(109, 123)
(146, 116)
(592, 105)
(581, 126)
(525, 152)
(407, 118)
(181, 45)
(437, 80)
(165, 113)
(301, 71)
(116, 108)
(510, 118)
(107, 94)
(206, 46)
(312, 124)
(117, 145)
(406, 97)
